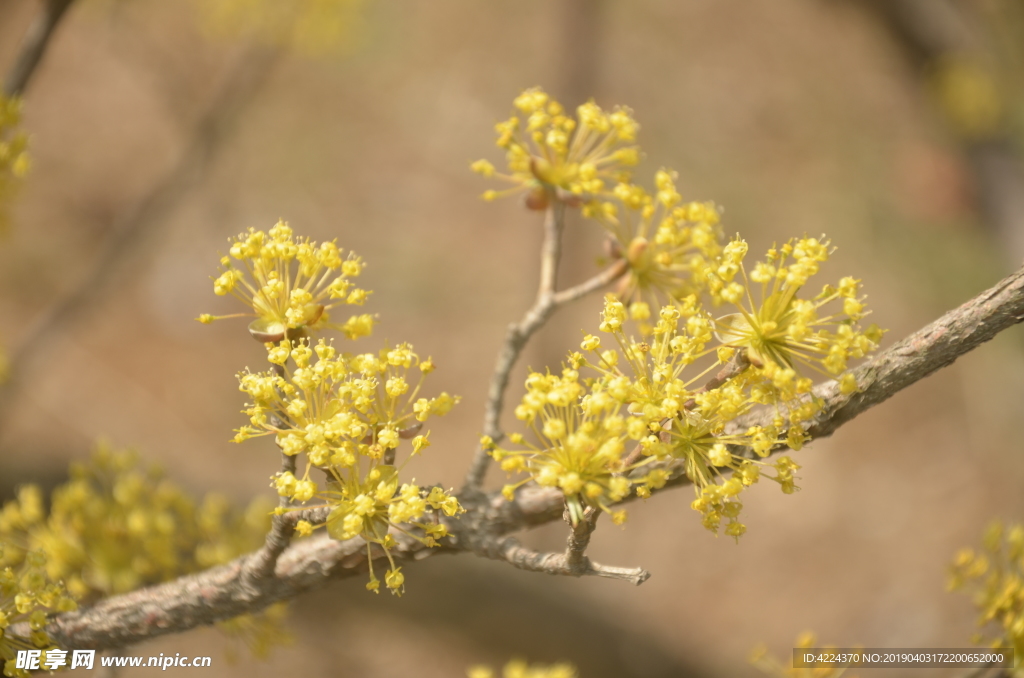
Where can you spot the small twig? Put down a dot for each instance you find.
(261, 564)
(517, 555)
(602, 279)
(548, 300)
(579, 537)
(518, 334)
(573, 562)
(34, 46)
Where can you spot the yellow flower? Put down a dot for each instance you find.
(370, 506)
(340, 407)
(545, 149)
(580, 446)
(27, 594)
(115, 526)
(779, 331)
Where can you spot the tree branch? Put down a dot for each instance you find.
(34, 46)
(221, 593)
(915, 357)
(518, 334)
(261, 565)
(548, 300)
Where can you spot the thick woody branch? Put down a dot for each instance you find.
(548, 300)
(34, 46)
(222, 592)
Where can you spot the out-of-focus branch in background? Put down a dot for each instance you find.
(34, 46)
(947, 40)
(146, 215)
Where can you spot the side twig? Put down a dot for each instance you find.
(548, 300)
(262, 563)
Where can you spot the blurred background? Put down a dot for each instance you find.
(159, 129)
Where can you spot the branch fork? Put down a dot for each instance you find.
(572, 562)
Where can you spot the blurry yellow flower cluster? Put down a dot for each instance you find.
(348, 413)
(114, 527)
(291, 284)
(547, 150)
(14, 162)
(311, 27)
(27, 594)
(517, 668)
(769, 665)
(996, 578)
(968, 92)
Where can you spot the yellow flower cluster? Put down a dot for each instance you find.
(769, 665)
(968, 93)
(517, 668)
(778, 331)
(114, 527)
(291, 284)
(670, 245)
(14, 162)
(258, 631)
(545, 149)
(996, 578)
(348, 414)
(580, 450)
(596, 436)
(312, 27)
(27, 594)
